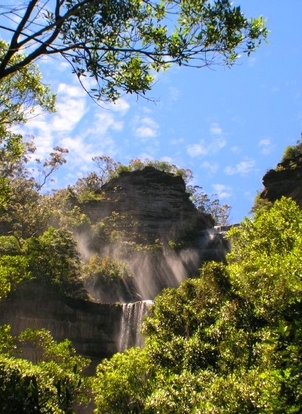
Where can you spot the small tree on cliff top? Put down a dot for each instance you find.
(121, 43)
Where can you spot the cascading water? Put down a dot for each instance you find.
(132, 317)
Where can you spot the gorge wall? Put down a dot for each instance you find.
(93, 328)
(284, 180)
(144, 218)
(148, 205)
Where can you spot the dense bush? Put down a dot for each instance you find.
(108, 280)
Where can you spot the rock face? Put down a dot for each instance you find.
(284, 180)
(148, 210)
(145, 214)
(152, 205)
(93, 328)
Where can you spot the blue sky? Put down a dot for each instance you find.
(229, 126)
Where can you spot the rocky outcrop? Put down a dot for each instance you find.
(285, 180)
(93, 328)
(149, 222)
(148, 210)
(147, 205)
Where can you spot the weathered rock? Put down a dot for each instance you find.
(93, 328)
(151, 205)
(285, 180)
(148, 208)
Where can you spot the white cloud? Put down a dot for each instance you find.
(121, 106)
(242, 168)
(79, 151)
(266, 146)
(210, 146)
(223, 191)
(50, 129)
(202, 148)
(73, 91)
(195, 150)
(147, 128)
(103, 122)
(211, 167)
(215, 129)
(71, 107)
(252, 61)
(145, 131)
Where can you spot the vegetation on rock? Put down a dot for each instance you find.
(226, 342)
(48, 380)
(293, 152)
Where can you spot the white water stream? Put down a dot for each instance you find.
(132, 317)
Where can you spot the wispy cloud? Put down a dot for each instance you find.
(212, 145)
(71, 108)
(223, 191)
(215, 129)
(266, 146)
(236, 149)
(121, 106)
(69, 128)
(103, 122)
(202, 148)
(196, 150)
(242, 168)
(146, 128)
(49, 130)
(210, 167)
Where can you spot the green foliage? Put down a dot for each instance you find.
(108, 280)
(122, 383)
(165, 166)
(293, 152)
(7, 340)
(26, 212)
(120, 44)
(52, 382)
(53, 259)
(88, 188)
(22, 94)
(22, 91)
(261, 204)
(267, 273)
(40, 346)
(13, 271)
(9, 246)
(205, 204)
(231, 340)
(183, 329)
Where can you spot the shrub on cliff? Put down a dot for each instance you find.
(228, 342)
(108, 280)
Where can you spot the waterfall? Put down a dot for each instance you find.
(132, 317)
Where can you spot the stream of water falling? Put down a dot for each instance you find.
(132, 317)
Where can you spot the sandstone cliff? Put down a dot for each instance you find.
(93, 328)
(144, 218)
(284, 180)
(148, 205)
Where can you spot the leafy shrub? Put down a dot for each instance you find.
(108, 280)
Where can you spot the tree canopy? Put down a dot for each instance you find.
(120, 44)
(228, 341)
(21, 94)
